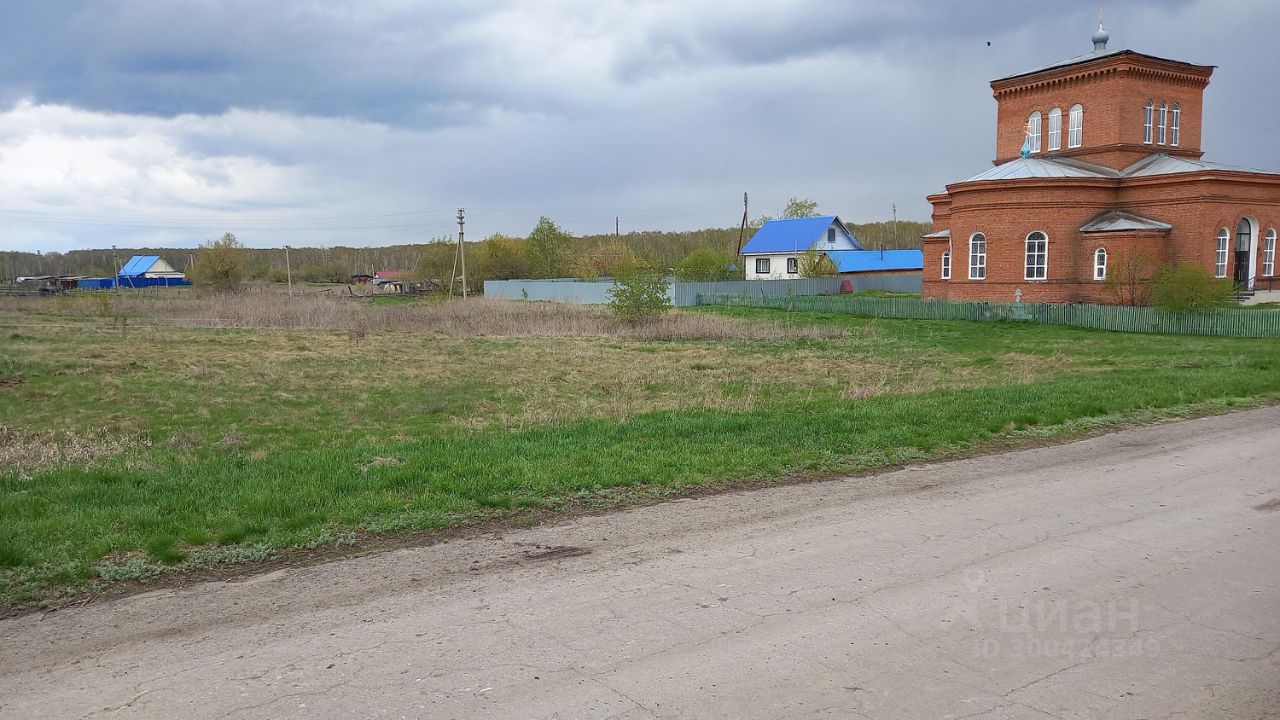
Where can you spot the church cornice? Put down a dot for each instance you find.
(1127, 64)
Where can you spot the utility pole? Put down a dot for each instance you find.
(462, 249)
(616, 232)
(895, 226)
(288, 271)
(115, 284)
(742, 230)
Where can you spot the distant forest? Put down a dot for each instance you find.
(338, 264)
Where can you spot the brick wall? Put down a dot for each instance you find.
(1113, 93)
(1006, 212)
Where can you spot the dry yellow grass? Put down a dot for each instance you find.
(476, 317)
(466, 365)
(26, 453)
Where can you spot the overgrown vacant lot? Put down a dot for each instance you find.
(179, 445)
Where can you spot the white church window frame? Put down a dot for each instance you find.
(977, 256)
(1269, 254)
(1220, 260)
(1036, 266)
(1055, 129)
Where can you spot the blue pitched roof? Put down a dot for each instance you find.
(139, 264)
(874, 260)
(784, 236)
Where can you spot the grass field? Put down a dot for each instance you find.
(174, 445)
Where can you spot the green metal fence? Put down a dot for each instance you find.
(1227, 322)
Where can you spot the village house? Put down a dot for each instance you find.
(1098, 162)
(774, 252)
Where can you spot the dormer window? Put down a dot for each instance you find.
(1033, 131)
(1148, 122)
(1164, 122)
(1055, 129)
(1175, 124)
(1075, 126)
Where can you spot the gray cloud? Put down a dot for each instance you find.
(282, 115)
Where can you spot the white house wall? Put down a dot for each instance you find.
(777, 267)
(844, 241)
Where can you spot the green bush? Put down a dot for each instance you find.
(704, 265)
(1188, 287)
(639, 294)
(220, 264)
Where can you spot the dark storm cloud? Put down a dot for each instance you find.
(406, 63)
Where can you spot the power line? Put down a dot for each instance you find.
(228, 222)
(159, 217)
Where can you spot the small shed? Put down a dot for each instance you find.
(877, 261)
(891, 270)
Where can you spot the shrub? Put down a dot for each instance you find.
(639, 294)
(704, 265)
(1187, 287)
(814, 263)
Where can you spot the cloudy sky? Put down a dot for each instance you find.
(361, 122)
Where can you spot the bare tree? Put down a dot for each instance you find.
(1129, 278)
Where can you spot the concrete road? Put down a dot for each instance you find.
(1135, 575)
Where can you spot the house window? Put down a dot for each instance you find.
(1100, 264)
(978, 257)
(1037, 255)
(1175, 124)
(1148, 121)
(946, 261)
(1033, 131)
(1055, 129)
(1220, 265)
(762, 266)
(1164, 122)
(831, 236)
(1075, 126)
(793, 265)
(1269, 254)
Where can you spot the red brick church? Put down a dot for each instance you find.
(1098, 160)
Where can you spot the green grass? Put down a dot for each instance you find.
(206, 446)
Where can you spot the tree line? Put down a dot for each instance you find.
(547, 251)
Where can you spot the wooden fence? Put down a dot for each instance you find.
(1231, 322)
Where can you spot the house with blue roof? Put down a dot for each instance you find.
(148, 266)
(773, 253)
(149, 271)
